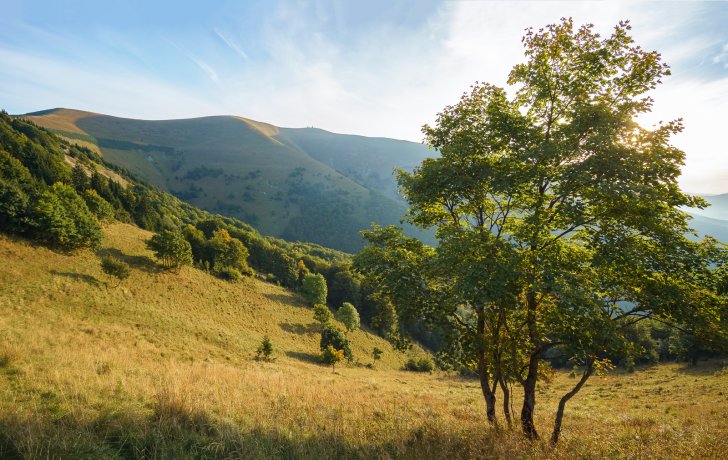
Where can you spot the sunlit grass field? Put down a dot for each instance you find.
(163, 366)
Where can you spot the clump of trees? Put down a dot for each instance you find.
(172, 250)
(423, 364)
(558, 219)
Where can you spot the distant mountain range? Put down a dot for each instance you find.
(299, 184)
(302, 184)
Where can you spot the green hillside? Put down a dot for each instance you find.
(301, 185)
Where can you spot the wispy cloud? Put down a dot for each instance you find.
(205, 68)
(231, 44)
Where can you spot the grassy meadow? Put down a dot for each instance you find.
(162, 366)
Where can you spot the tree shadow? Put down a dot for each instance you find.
(88, 279)
(143, 263)
(703, 367)
(287, 299)
(305, 357)
(300, 329)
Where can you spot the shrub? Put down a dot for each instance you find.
(265, 350)
(314, 289)
(331, 335)
(229, 274)
(322, 314)
(348, 315)
(419, 365)
(115, 267)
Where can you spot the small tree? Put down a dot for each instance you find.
(115, 268)
(322, 314)
(377, 354)
(265, 350)
(314, 288)
(348, 315)
(331, 335)
(171, 249)
(331, 356)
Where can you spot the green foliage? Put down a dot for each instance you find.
(377, 353)
(115, 267)
(332, 336)
(330, 355)
(265, 350)
(322, 314)
(98, 206)
(228, 252)
(419, 365)
(16, 185)
(314, 289)
(62, 219)
(171, 249)
(348, 315)
(558, 217)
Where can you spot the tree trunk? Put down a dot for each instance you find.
(506, 401)
(529, 384)
(529, 400)
(562, 403)
(488, 392)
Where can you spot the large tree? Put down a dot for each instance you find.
(558, 218)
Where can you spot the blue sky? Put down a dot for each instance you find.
(381, 68)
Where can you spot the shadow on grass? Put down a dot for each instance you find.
(288, 299)
(143, 263)
(78, 276)
(175, 428)
(704, 367)
(300, 329)
(306, 357)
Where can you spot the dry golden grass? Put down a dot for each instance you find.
(163, 367)
(62, 120)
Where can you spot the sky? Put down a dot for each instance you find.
(375, 68)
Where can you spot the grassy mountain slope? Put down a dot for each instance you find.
(253, 171)
(162, 367)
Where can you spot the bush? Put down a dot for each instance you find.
(322, 314)
(314, 289)
(115, 267)
(419, 365)
(331, 335)
(265, 350)
(348, 315)
(229, 274)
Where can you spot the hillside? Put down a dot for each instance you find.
(298, 184)
(162, 366)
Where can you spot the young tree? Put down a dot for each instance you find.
(314, 288)
(322, 314)
(265, 350)
(331, 356)
(116, 268)
(376, 354)
(331, 335)
(348, 315)
(229, 252)
(171, 249)
(558, 218)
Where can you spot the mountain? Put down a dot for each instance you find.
(712, 220)
(299, 184)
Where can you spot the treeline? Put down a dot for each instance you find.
(57, 194)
